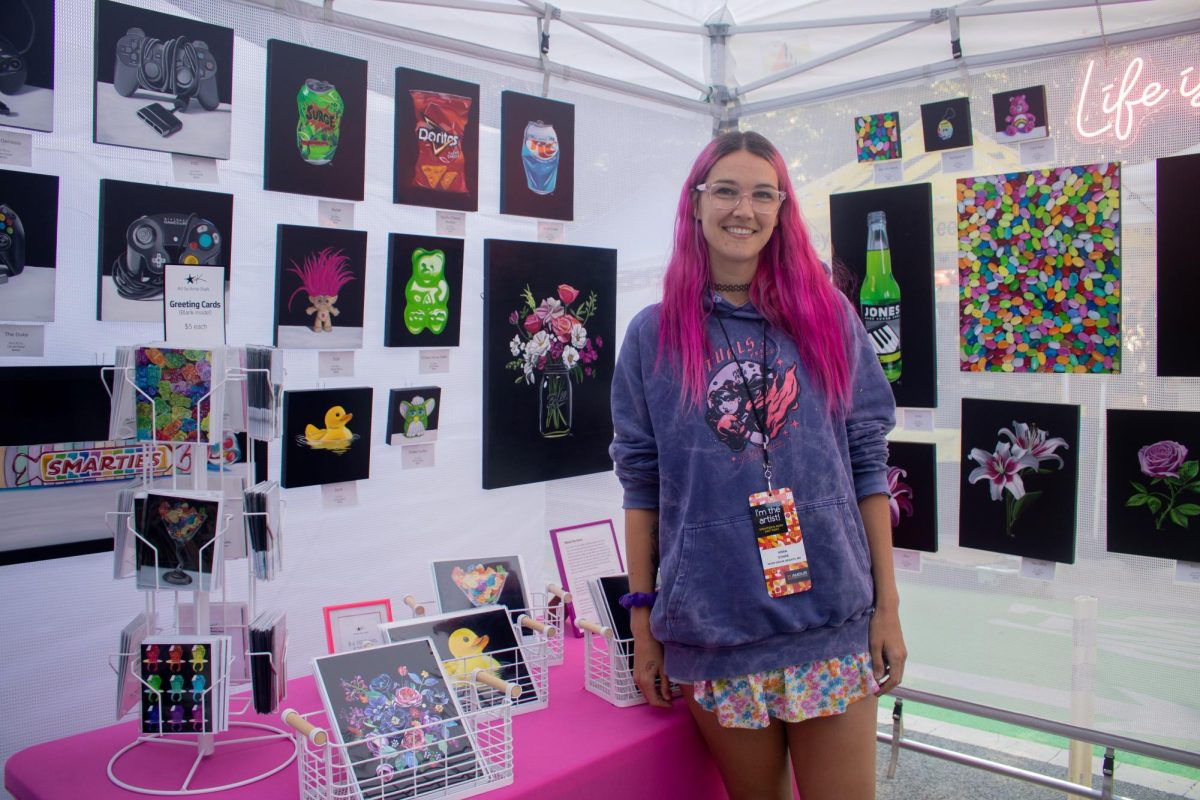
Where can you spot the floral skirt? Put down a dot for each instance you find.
(792, 694)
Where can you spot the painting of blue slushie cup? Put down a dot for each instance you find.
(539, 156)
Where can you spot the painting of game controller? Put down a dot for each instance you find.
(12, 242)
(177, 67)
(13, 69)
(155, 240)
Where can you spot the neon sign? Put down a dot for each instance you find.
(1122, 106)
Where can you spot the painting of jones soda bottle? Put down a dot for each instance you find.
(884, 239)
(537, 157)
(316, 127)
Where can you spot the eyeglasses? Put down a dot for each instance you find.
(727, 197)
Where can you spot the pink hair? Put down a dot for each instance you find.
(323, 273)
(791, 288)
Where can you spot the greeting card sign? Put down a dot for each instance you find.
(28, 245)
(1154, 483)
(537, 157)
(143, 228)
(1021, 114)
(908, 223)
(1039, 270)
(877, 136)
(413, 415)
(326, 436)
(1178, 283)
(548, 328)
(316, 129)
(946, 124)
(424, 291)
(29, 90)
(1019, 471)
(436, 142)
(162, 82)
(912, 484)
(320, 275)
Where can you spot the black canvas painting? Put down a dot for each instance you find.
(326, 436)
(1019, 476)
(537, 157)
(27, 64)
(162, 82)
(548, 349)
(145, 227)
(912, 483)
(424, 291)
(908, 221)
(320, 278)
(1021, 114)
(1154, 483)
(316, 128)
(28, 243)
(436, 160)
(466, 583)
(1178, 280)
(413, 415)
(946, 124)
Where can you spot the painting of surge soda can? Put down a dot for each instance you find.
(316, 128)
(537, 159)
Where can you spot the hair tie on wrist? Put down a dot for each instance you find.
(638, 599)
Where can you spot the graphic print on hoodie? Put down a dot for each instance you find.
(738, 398)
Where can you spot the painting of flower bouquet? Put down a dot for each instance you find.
(319, 287)
(912, 490)
(549, 321)
(1028, 465)
(1154, 483)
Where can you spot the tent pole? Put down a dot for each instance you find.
(724, 109)
(594, 19)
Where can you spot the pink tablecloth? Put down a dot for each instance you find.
(578, 746)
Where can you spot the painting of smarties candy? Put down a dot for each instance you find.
(877, 136)
(1039, 271)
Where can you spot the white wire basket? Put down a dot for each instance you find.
(608, 666)
(549, 608)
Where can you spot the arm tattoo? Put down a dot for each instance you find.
(654, 546)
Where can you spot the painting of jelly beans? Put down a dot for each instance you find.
(877, 136)
(174, 394)
(1039, 270)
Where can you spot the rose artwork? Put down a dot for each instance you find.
(1171, 476)
(1162, 459)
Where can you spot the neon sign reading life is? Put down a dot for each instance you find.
(1124, 105)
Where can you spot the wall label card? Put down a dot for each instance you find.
(193, 169)
(1187, 572)
(1037, 569)
(908, 560)
(1039, 151)
(435, 361)
(918, 419)
(22, 340)
(16, 149)
(451, 223)
(958, 160)
(335, 364)
(417, 456)
(335, 214)
(889, 172)
(194, 305)
(339, 495)
(551, 232)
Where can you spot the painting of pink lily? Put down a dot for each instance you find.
(912, 495)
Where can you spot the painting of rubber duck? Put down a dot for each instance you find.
(1020, 114)
(327, 436)
(469, 651)
(319, 287)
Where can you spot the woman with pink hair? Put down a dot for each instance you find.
(750, 415)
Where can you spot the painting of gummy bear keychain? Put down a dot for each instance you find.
(946, 124)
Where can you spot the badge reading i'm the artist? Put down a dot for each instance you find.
(780, 542)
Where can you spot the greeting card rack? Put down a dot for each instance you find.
(189, 459)
(367, 767)
(608, 666)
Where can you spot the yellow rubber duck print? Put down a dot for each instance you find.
(335, 435)
(468, 650)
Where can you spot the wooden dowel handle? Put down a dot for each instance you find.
(588, 625)
(537, 625)
(562, 594)
(292, 718)
(412, 603)
(497, 683)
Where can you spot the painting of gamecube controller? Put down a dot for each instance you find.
(173, 67)
(12, 243)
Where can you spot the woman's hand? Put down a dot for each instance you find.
(888, 652)
(647, 667)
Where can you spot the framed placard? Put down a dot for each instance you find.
(353, 626)
(585, 551)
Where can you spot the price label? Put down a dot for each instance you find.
(434, 362)
(908, 560)
(889, 172)
(339, 495)
(194, 169)
(551, 232)
(1037, 569)
(22, 340)
(1039, 151)
(1187, 572)
(335, 214)
(416, 456)
(451, 223)
(16, 149)
(958, 160)
(335, 364)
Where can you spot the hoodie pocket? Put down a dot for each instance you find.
(718, 596)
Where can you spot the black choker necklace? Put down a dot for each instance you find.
(732, 287)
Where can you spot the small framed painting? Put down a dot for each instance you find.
(353, 626)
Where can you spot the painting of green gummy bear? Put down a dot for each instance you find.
(424, 291)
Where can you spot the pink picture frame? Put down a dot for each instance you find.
(362, 614)
(580, 593)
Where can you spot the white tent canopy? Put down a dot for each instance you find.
(746, 56)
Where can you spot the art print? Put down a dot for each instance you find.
(145, 227)
(912, 495)
(1154, 483)
(326, 436)
(162, 82)
(1020, 114)
(537, 157)
(178, 541)
(424, 291)
(480, 639)
(1039, 271)
(28, 242)
(884, 237)
(877, 137)
(177, 686)
(413, 415)
(353, 626)
(1018, 478)
(27, 65)
(392, 705)
(436, 142)
(1178, 285)
(320, 277)
(946, 124)
(549, 326)
(465, 583)
(316, 127)
(174, 397)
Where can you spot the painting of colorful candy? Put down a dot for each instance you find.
(413, 415)
(1154, 483)
(912, 486)
(465, 583)
(319, 287)
(1018, 478)
(1021, 114)
(424, 291)
(877, 136)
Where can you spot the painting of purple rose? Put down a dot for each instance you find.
(1154, 483)
(1018, 482)
(912, 490)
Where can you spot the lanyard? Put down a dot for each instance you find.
(759, 415)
